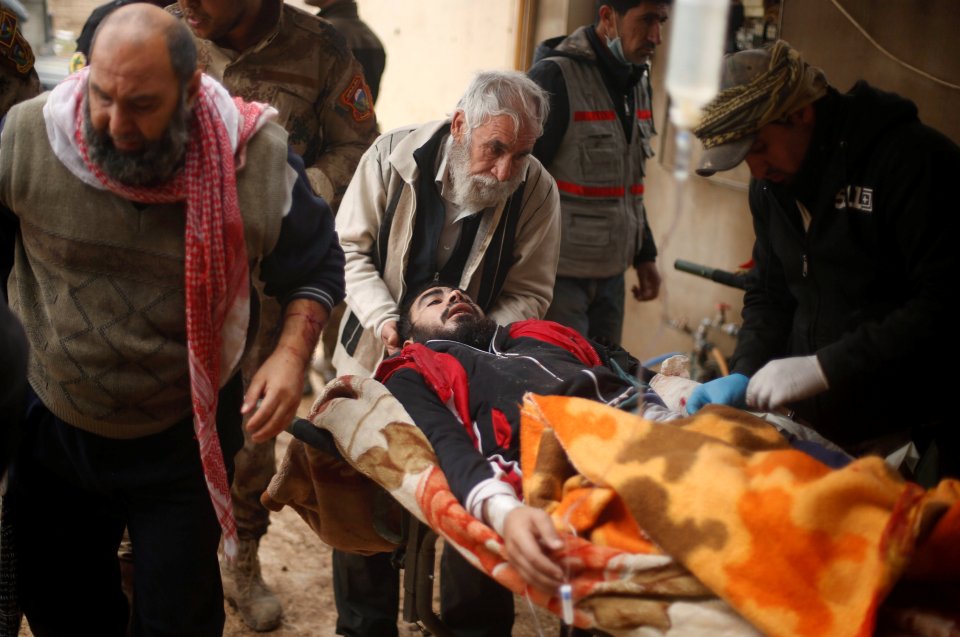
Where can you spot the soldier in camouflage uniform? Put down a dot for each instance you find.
(363, 42)
(267, 51)
(367, 48)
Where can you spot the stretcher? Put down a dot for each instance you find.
(413, 541)
(709, 525)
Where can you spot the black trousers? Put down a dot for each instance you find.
(367, 592)
(71, 495)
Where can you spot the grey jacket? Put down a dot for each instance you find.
(599, 171)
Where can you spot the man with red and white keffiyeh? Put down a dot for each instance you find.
(132, 220)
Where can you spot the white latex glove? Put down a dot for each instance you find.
(785, 381)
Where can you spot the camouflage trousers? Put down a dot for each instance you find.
(255, 466)
(255, 463)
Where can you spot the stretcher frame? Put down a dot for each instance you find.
(418, 542)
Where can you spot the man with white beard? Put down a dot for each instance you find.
(485, 220)
(459, 201)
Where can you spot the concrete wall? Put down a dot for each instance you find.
(701, 220)
(433, 47)
(33, 29)
(71, 14)
(921, 34)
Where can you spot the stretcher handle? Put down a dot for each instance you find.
(305, 431)
(732, 279)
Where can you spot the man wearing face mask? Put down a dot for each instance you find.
(595, 143)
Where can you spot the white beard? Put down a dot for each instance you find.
(476, 192)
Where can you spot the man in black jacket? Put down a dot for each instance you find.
(13, 360)
(846, 311)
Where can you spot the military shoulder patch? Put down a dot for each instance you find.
(357, 99)
(14, 49)
(77, 61)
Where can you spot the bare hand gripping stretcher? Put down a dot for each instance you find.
(707, 525)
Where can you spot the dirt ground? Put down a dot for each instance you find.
(296, 564)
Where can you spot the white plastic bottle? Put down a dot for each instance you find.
(696, 52)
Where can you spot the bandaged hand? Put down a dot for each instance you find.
(727, 390)
(785, 381)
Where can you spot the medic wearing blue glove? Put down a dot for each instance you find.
(726, 390)
(778, 383)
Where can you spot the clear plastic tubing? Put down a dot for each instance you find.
(696, 53)
(566, 603)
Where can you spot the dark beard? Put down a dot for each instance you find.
(154, 164)
(472, 330)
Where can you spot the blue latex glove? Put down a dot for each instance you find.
(727, 390)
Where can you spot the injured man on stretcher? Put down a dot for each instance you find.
(662, 525)
(448, 342)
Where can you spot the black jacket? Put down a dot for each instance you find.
(13, 389)
(536, 356)
(868, 287)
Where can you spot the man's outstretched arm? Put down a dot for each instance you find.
(276, 389)
(304, 271)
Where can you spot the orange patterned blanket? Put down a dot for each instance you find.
(798, 549)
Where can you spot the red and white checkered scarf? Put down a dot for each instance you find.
(217, 273)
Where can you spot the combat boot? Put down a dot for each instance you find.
(246, 591)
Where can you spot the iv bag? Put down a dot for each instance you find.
(696, 53)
